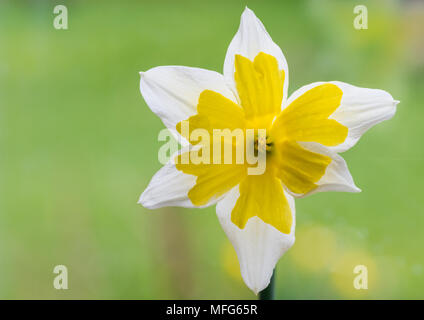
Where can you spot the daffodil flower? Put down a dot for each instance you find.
(305, 134)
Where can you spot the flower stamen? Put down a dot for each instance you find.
(263, 144)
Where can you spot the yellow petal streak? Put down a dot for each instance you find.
(299, 169)
(259, 85)
(214, 111)
(262, 196)
(306, 118)
(213, 180)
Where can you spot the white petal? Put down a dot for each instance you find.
(168, 187)
(359, 110)
(250, 39)
(259, 246)
(172, 92)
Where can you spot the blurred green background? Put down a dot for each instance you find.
(78, 145)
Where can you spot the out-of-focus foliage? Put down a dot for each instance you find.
(78, 145)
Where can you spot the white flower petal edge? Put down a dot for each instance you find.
(250, 39)
(259, 246)
(359, 110)
(169, 187)
(172, 92)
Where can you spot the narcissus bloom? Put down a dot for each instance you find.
(304, 135)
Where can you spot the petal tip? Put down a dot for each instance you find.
(141, 200)
(144, 201)
(248, 13)
(258, 288)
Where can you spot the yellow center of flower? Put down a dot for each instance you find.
(262, 144)
(260, 86)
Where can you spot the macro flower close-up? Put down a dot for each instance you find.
(300, 136)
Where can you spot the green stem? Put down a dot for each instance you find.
(268, 292)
